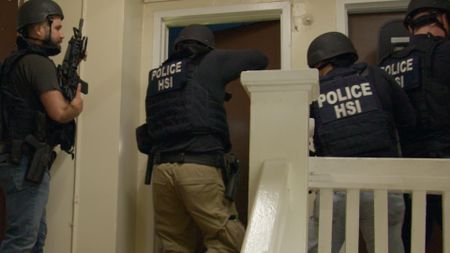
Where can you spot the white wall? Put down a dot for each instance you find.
(106, 163)
(60, 206)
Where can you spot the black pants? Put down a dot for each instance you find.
(434, 205)
(434, 216)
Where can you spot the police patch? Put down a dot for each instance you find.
(406, 71)
(337, 101)
(168, 77)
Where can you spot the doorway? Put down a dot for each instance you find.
(363, 31)
(8, 14)
(258, 17)
(263, 36)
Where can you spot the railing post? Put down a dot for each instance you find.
(279, 114)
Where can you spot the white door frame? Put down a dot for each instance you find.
(223, 14)
(345, 7)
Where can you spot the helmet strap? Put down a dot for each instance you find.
(430, 18)
(48, 40)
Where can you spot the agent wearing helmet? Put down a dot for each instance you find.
(32, 105)
(356, 115)
(422, 69)
(187, 139)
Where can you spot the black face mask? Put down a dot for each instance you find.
(48, 48)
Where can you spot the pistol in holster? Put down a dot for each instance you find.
(149, 170)
(42, 158)
(231, 177)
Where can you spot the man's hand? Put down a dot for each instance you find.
(77, 102)
(58, 108)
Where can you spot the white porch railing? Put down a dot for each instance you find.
(279, 159)
(416, 176)
(279, 131)
(269, 213)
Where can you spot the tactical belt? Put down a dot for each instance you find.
(14, 150)
(215, 160)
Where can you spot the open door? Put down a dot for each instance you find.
(8, 13)
(264, 36)
(363, 30)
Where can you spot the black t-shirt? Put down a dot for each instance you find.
(33, 75)
(215, 71)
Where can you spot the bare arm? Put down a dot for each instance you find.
(58, 108)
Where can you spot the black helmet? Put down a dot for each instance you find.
(328, 46)
(36, 11)
(415, 6)
(199, 33)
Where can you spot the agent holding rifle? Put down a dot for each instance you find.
(36, 117)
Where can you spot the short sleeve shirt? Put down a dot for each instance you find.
(33, 75)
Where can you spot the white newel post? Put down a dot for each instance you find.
(279, 130)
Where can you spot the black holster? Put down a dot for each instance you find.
(149, 170)
(231, 176)
(41, 159)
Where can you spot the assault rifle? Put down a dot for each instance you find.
(68, 70)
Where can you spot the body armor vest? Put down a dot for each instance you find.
(177, 104)
(412, 69)
(350, 120)
(19, 119)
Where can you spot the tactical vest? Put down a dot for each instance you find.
(177, 104)
(19, 119)
(412, 69)
(350, 120)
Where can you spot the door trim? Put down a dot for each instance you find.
(223, 14)
(346, 7)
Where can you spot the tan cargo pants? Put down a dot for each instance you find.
(189, 198)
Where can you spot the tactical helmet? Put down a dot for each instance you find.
(328, 46)
(415, 6)
(199, 33)
(36, 11)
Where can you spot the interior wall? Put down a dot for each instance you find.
(129, 120)
(106, 162)
(61, 197)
